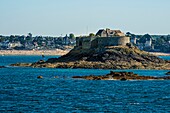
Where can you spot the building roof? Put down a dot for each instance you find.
(100, 32)
(110, 32)
(147, 37)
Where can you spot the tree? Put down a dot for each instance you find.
(71, 36)
(160, 40)
(30, 35)
(2, 39)
(11, 38)
(22, 39)
(91, 35)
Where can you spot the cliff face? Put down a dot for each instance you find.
(111, 57)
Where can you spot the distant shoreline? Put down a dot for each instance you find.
(160, 54)
(34, 52)
(53, 52)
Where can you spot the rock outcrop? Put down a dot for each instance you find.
(40, 77)
(123, 76)
(168, 73)
(2, 67)
(111, 57)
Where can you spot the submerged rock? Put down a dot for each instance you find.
(40, 77)
(123, 79)
(168, 73)
(22, 64)
(123, 76)
(2, 67)
(56, 77)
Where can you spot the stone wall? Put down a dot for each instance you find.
(97, 42)
(110, 41)
(78, 41)
(86, 43)
(123, 40)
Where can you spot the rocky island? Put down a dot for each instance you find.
(108, 49)
(121, 76)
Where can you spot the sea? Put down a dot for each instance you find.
(58, 92)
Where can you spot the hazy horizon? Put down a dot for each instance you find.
(81, 17)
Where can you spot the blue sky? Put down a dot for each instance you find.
(56, 17)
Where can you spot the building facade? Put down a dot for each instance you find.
(103, 38)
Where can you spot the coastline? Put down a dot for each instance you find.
(54, 52)
(34, 52)
(159, 54)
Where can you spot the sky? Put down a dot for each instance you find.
(81, 17)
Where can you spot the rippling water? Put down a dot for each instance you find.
(21, 91)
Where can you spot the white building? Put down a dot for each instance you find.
(15, 44)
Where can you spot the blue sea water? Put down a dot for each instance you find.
(21, 91)
(165, 57)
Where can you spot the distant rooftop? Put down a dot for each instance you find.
(109, 33)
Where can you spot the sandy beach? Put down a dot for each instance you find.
(160, 54)
(34, 52)
(53, 52)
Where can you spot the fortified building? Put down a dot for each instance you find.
(103, 38)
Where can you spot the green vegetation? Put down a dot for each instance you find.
(91, 35)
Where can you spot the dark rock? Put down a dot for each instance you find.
(52, 59)
(40, 61)
(168, 73)
(2, 67)
(123, 76)
(76, 77)
(166, 78)
(123, 79)
(22, 64)
(40, 77)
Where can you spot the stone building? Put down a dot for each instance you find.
(103, 38)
